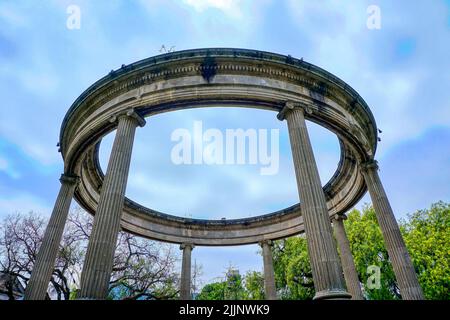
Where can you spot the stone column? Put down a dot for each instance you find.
(185, 281)
(269, 274)
(323, 255)
(102, 241)
(348, 265)
(45, 260)
(395, 246)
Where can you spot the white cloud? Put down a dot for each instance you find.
(34, 142)
(331, 33)
(229, 7)
(6, 167)
(24, 203)
(11, 16)
(367, 60)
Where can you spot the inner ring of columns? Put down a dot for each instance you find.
(218, 77)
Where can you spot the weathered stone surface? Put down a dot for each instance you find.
(185, 281)
(348, 265)
(323, 255)
(393, 240)
(269, 274)
(45, 260)
(233, 77)
(102, 241)
(209, 77)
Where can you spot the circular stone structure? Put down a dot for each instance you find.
(208, 78)
(293, 89)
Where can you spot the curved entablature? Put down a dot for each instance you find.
(218, 77)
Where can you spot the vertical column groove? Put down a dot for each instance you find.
(348, 265)
(45, 260)
(98, 263)
(395, 245)
(324, 259)
(269, 274)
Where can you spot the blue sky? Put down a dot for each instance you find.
(401, 70)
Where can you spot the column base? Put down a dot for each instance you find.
(334, 294)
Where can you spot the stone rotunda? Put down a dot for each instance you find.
(296, 91)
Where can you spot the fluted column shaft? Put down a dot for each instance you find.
(185, 281)
(395, 245)
(348, 265)
(269, 274)
(324, 259)
(102, 241)
(45, 260)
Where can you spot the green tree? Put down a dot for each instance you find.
(254, 286)
(231, 288)
(212, 291)
(427, 236)
(235, 287)
(367, 246)
(292, 269)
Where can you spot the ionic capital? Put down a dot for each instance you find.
(130, 113)
(339, 217)
(69, 179)
(186, 246)
(290, 106)
(371, 164)
(266, 242)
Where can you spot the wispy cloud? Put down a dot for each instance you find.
(400, 70)
(229, 7)
(23, 203)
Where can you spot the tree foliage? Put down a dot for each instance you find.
(367, 246)
(20, 238)
(212, 291)
(427, 236)
(235, 287)
(254, 286)
(142, 269)
(292, 269)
